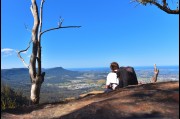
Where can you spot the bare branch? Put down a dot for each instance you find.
(19, 54)
(164, 3)
(60, 22)
(59, 28)
(164, 7)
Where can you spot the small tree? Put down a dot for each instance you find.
(36, 74)
(161, 4)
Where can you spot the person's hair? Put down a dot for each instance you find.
(114, 66)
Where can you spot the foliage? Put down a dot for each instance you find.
(11, 99)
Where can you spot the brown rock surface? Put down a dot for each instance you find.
(153, 101)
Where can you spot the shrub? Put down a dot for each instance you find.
(11, 99)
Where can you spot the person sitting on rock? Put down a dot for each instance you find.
(112, 81)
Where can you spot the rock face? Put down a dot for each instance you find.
(154, 100)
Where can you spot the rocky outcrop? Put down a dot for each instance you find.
(154, 100)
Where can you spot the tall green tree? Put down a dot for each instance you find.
(35, 72)
(161, 4)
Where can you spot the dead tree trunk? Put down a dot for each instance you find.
(37, 77)
(156, 72)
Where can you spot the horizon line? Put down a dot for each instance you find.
(90, 67)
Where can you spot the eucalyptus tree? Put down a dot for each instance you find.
(35, 67)
(161, 4)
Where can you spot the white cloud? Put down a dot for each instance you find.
(4, 50)
(7, 51)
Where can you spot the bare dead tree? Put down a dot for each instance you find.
(161, 4)
(37, 77)
(156, 72)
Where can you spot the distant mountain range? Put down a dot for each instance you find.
(23, 73)
(15, 73)
(59, 73)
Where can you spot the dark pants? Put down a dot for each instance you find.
(108, 90)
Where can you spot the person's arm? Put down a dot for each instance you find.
(107, 81)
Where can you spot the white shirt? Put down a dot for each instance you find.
(112, 78)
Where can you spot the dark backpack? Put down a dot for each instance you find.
(127, 76)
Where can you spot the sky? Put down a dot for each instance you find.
(116, 30)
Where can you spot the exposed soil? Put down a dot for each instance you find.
(154, 100)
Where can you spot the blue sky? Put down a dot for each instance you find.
(111, 31)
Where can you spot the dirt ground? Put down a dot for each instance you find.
(151, 101)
